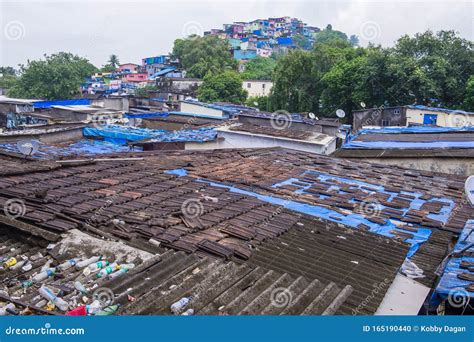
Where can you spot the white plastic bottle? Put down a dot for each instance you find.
(98, 265)
(45, 292)
(87, 262)
(109, 269)
(68, 264)
(3, 311)
(44, 275)
(178, 306)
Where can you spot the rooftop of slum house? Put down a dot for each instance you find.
(228, 108)
(293, 117)
(127, 134)
(278, 209)
(155, 281)
(193, 120)
(410, 142)
(299, 135)
(40, 129)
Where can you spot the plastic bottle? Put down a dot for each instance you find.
(178, 306)
(188, 312)
(44, 275)
(87, 262)
(9, 263)
(79, 287)
(109, 269)
(98, 265)
(19, 264)
(45, 292)
(68, 264)
(3, 310)
(93, 307)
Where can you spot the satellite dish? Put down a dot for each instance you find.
(340, 113)
(362, 104)
(255, 104)
(312, 116)
(27, 147)
(469, 189)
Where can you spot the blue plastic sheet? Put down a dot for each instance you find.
(122, 134)
(146, 115)
(73, 102)
(177, 172)
(352, 220)
(450, 284)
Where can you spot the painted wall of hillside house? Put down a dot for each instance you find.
(439, 118)
(138, 77)
(257, 87)
(128, 67)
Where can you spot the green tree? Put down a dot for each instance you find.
(259, 68)
(260, 102)
(201, 55)
(329, 34)
(469, 96)
(8, 77)
(58, 76)
(223, 87)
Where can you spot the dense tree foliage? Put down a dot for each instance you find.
(259, 68)
(431, 69)
(58, 76)
(223, 87)
(8, 77)
(202, 55)
(112, 64)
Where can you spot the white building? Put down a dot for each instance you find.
(257, 87)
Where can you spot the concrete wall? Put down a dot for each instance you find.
(453, 119)
(257, 88)
(464, 167)
(229, 139)
(197, 109)
(392, 116)
(47, 138)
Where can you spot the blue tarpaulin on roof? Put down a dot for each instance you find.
(146, 115)
(123, 134)
(450, 286)
(408, 145)
(73, 102)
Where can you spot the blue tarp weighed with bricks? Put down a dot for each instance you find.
(450, 284)
(146, 115)
(352, 220)
(122, 134)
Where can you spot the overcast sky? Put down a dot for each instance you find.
(136, 29)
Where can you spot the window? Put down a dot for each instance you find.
(263, 85)
(249, 85)
(396, 111)
(385, 123)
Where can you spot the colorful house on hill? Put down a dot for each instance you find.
(128, 67)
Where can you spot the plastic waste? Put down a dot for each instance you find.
(93, 307)
(108, 311)
(87, 262)
(19, 264)
(4, 310)
(48, 294)
(188, 312)
(109, 269)
(79, 287)
(44, 275)
(27, 267)
(98, 265)
(79, 311)
(179, 306)
(68, 264)
(9, 263)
